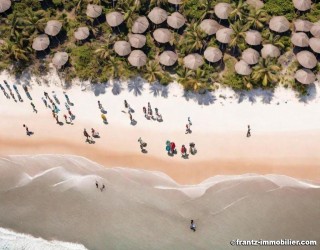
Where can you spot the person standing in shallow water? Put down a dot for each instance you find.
(193, 226)
(249, 131)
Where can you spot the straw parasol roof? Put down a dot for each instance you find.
(162, 35)
(59, 59)
(212, 54)
(307, 59)
(224, 35)
(168, 58)
(302, 5)
(122, 48)
(41, 42)
(137, 58)
(176, 2)
(302, 25)
(193, 61)
(93, 10)
(4, 5)
(209, 26)
(176, 20)
(53, 27)
(300, 39)
(279, 24)
(305, 76)
(157, 15)
(315, 30)
(140, 25)
(82, 33)
(257, 4)
(222, 10)
(250, 56)
(253, 37)
(314, 44)
(114, 18)
(242, 68)
(269, 50)
(137, 41)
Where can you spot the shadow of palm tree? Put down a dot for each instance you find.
(188, 95)
(205, 99)
(267, 96)
(116, 87)
(155, 89)
(99, 88)
(165, 91)
(135, 85)
(311, 94)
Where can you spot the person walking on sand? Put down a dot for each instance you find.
(172, 147)
(85, 133)
(103, 187)
(183, 151)
(34, 107)
(193, 226)
(104, 118)
(145, 111)
(100, 105)
(65, 118)
(126, 105)
(57, 119)
(71, 115)
(130, 115)
(67, 98)
(94, 133)
(97, 184)
(187, 129)
(45, 102)
(46, 95)
(189, 121)
(27, 129)
(249, 131)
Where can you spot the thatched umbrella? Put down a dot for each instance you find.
(257, 4)
(82, 33)
(314, 44)
(137, 41)
(305, 76)
(222, 10)
(162, 35)
(140, 25)
(41, 42)
(193, 61)
(168, 58)
(300, 39)
(224, 35)
(4, 5)
(279, 24)
(59, 59)
(176, 20)
(250, 56)
(302, 25)
(302, 5)
(114, 18)
(175, 2)
(53, 27)
(93, 10)
(307, 59)
(253, 37)
(209, 26)
(269, 50)
(157, 15)
(212, 54)
(122, 48)
(242, 68)
(315, 30)
(137, 58)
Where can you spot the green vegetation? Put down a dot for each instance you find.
(280, 8)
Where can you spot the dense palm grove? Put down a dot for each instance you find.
(95, 59)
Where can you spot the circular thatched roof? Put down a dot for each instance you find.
(157, 15)
(222, 10)
(41, 42)
(168, 58)
(93, 10)
(162, 35)
(193, 61)
(212, 54)
(314, 44)
(82, 33)
(176, 20)
(242, 68)
(122, 48)
(176, 2)
(253, 37)
(4, 5)
(53, 27)
(302, 5)
(257, 4)
(315, 30)
(269, 50)
(137, 58)
(209, 26)
(302, 25)
(59, 59)
(137, 41)
(305, 76)
(114, 18)
(307, 59)
(224, 35)
(140, 25)
(250, 56)
(279, 24)
(300, 39)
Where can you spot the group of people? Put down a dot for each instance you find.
(103, 113)
(148, 114)
(89, 138)
(129, 111)
(188, 126)
(171, 149)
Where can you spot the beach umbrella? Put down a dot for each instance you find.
(93, 10)
(114, 18)
(176, 20)
(212, 54)
(257, 4)
(162, 35)
(175, 2)
(4, 5)
(253, 37)
(209, 26)
(137, 41)
(279, 24)
(302, 25)
(41, 42)
(222, 10)
(224, 35)
(242, 68)
(59, 59)
(307, 59)
(140, 25)
(315, 30)
(157, 15)
(269, 50)
(53, 27)
(305, 76)
(314, 44)
(193, 61)
(122, 48)
(300, 39)
(250, 56)
(168, 58)
(82, 33)
(137, 58)
(302, 5)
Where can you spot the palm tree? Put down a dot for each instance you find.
(239, 11)
(238, 36)
(105, 51)
(257, 18)
(14, 52)
(271, 38)
(153, 72)
(192, 39)
(34, 21)
(266, 72)
(206, 5)
(114, 68)
(192, 79)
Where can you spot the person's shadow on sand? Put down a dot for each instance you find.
(30, 133)
(133, 122)
(96, 136)
(61, 123)
(186, 156)
(144, 151)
